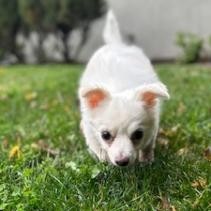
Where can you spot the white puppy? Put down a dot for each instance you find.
(120, 97)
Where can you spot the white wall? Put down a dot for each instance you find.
(155, 24)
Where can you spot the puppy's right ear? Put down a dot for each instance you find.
(150, 93)
(95, 97)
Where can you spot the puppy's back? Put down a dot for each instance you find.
(117, 66)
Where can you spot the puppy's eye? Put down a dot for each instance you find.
(137, 135)
(106, 135)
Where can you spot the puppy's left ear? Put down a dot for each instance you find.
(95, 97)
(150, 93)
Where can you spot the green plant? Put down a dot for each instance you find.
(63, 16)
(191, 45)
(46, 16)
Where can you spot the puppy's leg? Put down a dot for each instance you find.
(93, 146)
(95, 149)
(81, 128)
(98, 154)
(146, 155)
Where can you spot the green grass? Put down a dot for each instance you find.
(39, 103)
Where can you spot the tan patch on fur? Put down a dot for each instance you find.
(94, 97)
(149, 98)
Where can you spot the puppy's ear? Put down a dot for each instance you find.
(95, 97)
(150, 93)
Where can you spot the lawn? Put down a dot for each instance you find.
(44, 164)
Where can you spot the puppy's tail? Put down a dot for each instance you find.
(111, 33)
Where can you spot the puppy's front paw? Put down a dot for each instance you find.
(103, 156)
(100, 155)
(146, 156)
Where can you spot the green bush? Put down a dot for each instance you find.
(46, 16)
(191, 46)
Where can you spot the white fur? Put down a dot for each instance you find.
(124, 73)
(111, 33)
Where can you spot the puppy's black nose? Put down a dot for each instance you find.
(123, 162)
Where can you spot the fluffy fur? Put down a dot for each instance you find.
(120, 93)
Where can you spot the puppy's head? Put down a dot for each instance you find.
(123, 123)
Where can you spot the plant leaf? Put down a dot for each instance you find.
(15, 152)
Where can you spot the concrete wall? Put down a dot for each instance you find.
(154, 23)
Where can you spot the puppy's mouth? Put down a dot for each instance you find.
(122, 162)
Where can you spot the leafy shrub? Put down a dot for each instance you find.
(46, 16)
(191, 45)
